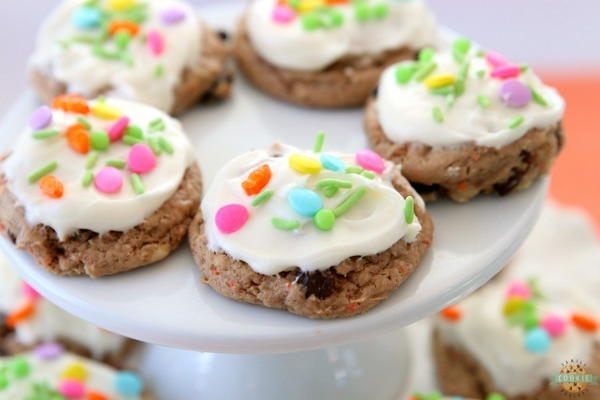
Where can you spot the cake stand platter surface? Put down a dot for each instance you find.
(167, 304)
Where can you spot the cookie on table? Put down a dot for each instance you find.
(152, 51)
(319, 234)
(463, 122)
(100, 187)
(534, 322)
(51, 373)
(328, 53)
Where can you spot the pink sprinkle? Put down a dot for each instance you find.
(141, 159)
(231, 218)
(495, 59)
(283, 14)
(506, 71)
(71, 389)
(156, 42)
(118, 129)
(518, 289)
(554, 324)
(109, 180)
(370, 160)
(30, 292)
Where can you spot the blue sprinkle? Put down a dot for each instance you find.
(87, 17)
(537, 340)
(128, 384)
(305, 202)
(332, 163)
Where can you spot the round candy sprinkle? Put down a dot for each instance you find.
(19, 367)
(506, 71)
(141, 159)
(283, 14)
(51, 187)
(49, 351)
(71, 103)
(99, 140)
(95, 395)
(585, 322)
(537, 340)
(121, 5)
(518, 289)
(452, 313)
(75, 371)
(30, 292)
(105, 111)
(513, 305)
(324, 219)
(87, 18)
(231, 218)
(117, 130)
(304, 164)
(305, 202)
(515, 94)
(71, 389)
(554, 324)
(155, 42)
(173, 15)
(332, 163)
(109, 180)
(495, 59)
(370, 160)
(41, 118)
(78, 139)
(128, 384)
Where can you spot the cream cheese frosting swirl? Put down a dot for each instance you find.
(310, 35)
(137, 49)
(298, 212)
(464, 95)
(103, 166)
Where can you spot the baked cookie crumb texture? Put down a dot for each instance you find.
(100, 187)
(320, 234)
(328, 54)
(153, 51)
(463, 121)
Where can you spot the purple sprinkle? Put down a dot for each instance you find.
(40, 118)
(170, 16)
(49, 351)
(515, 94)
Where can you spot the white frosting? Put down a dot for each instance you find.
(85, 207)
(87, 74)
(371, 226)
(561, 239)
(50, 323)
(100, 377)
(405, 110)
(288, 45)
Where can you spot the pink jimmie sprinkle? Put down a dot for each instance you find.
(518, 289)
(495, 59)
(506, 71)
(283, 14)
(71, 389)
(156, 42)
(231, 217)
(118, 129)
(109, 180)
(30, 292)
(554, 324)
(370, 160)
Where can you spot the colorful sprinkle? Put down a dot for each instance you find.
(99, 140)
(350, 201)
(71, 388)
(87, 17)
(452, 313)
(134, 131)
(78, 138)
(45, 134)
(405, 72)
(19, 367)
(380, 10)
(122, 40)
(75, 371)
(129, 27)
(51, 187)
(460, 48)
(426, 54)
(109, 180)
(118, 129)
(121, 5)
(368, 174)
(105, 111)
(283, 14)
(437, 114)
(324, 219)
(332, 163)
(262, 198)
(257, 180)
(537, 340)
(49, 351)
(483, 101)
(154, 145)
(156, 125)
(304, 164)
(537, 97)
(495, 59)
(354, 169)
(120, 164)
(409, 210)
(41, 118)
(71, 103)
(585, 322)
(130, 140)
(88, 178)
(425, 70)
(137, 184)
(513, 93)
(512, 306)
(231, 218)
(91, 160)
(495, 396)
(518, 289)
(141, 159)
(506, 71)
(338, 183)
(30, 292)
(554, 324)
(439, 81)
(172, 15)
(95, 395)
(155, 42)
(165, 145)
(516, 122)
(20, 314)
(319, 141)
(285, 225)
(84, 122)
(40, 173)
(305, 202)
(370, 161)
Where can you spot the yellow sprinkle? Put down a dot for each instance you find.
(121, 5)
(513, 305)
(308, 5)
(304, 164)
(105, 111)
(75, 371)
(439, 80)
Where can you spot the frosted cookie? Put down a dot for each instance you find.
(50, 373)
(100, 187)
(464, 121)
(532, 324)
(328, 53)
(155, 52)
(320, 234)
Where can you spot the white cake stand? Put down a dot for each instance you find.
(166, 304)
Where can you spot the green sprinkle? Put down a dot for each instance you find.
(380, 11)
(319, 142)
(516, 122)
(335, 183)
(99, 140)
(537, 97)
(84, 122)
(483, 101)
(127, 59)
(409, 210)
(19, 367)
(324, 219)
(101, 52)
(463, 74)
(437, 114)
(154, 145)
(165, 145)
(481, 73)
(330, 191)
(354, 169)
(135, 132)
(331, 18)
(45, 134)
(426, 55)
(524, 68)
(350, 201)
(311, 22)
(87, 179)
(157, 125)
(480, 53)
(91, 160)
(262, 197)
(3, 381)
(450, 100)
(368, 174)
(122, 40)
(130, 140)
(495, 396)
(136, 182)
(85, 39)
(460, 48)
(120, 164)
(159, 70)
(42, 391)
(405, 72)
(40, 173)
(425, 70)
(362, 12)
(442, 91)
(285, 225)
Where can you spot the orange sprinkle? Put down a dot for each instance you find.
(123, 26)
(337, 1)
(257, 180)
(585, 322)
(215, 272)
(94, 395)
(462, 186)
(231, 284)
(452, 313)
(52, 187)
(20, 314)
(78, 138)
(71, 103)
